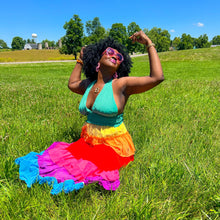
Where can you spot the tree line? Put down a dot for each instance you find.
(75, 37)
(18, 43)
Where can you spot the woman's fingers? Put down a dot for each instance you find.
(81, 52)
(134, 37)
(140, 37)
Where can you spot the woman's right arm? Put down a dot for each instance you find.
(75, 83)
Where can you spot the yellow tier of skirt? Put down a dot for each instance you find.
(117, 138)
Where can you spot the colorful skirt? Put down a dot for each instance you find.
(96, 157)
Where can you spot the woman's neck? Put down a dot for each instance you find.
(103, 78)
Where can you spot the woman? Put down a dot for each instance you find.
(105, 145)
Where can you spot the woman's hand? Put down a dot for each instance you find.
(140, 37)
(81, 53)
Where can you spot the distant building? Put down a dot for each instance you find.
(30, 46)
(215, 45)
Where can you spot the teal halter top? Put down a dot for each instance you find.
(104, 110)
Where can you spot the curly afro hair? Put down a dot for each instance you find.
(93, 53)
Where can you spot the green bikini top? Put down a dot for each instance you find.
(104, 110)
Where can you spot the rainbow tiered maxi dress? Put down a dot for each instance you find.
(103, 148)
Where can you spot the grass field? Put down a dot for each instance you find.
(32, 55)
(175, 128)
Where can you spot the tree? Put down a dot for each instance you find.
(51, 44)
(3, 45)
(72, 41)
(17, 43)
(163, 44)
(30, 41)
(216, 40)
(118, 32)
(94, 30)
(202, 41)
(186, 42)
(161, 38)
(131, 29)
(175, 43)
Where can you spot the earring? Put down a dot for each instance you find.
(115, 76)
(97, 68)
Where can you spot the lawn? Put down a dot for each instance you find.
(175, 128)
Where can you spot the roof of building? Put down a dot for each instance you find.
(30, 46)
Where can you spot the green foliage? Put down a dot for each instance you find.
(186, 42)
(202, 41)
(94, 30)
(50, 43)
(72, 41)
(75, 38)
(176, 42)
(216, 40)
(3, 44)
(17, 43)
(30, 41)
(175, 129)
(163, 44)
(161, 38)
(131, 29)
(118, 32)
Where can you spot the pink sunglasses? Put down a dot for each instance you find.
(111, 52)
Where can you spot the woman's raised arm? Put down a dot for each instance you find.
(136, 85)
(75, 83)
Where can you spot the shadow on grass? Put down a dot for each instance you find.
(71, 134)
(85, 195)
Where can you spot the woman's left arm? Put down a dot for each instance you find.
(134, 85)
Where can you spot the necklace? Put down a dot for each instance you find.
(96, 90)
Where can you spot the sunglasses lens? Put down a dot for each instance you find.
(110, 51)
(119, 57)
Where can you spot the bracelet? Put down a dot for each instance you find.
(79, 61)
(150, 45)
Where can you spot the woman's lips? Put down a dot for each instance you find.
(113, 60)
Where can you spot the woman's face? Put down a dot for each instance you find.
(111, 57)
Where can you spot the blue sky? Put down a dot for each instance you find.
(46, 17)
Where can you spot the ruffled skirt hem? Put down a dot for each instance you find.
(59, 168)
(96, 157)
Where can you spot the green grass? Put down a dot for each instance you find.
(175, 129)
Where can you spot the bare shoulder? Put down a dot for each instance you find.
(120, 84)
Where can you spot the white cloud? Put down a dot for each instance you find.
(172, 30)
(199, 24)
